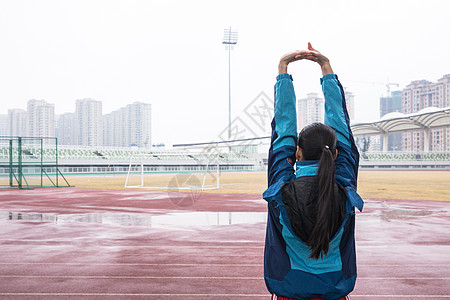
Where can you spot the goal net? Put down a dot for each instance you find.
(30, 162)
(190, 169)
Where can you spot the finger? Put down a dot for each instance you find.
(309, 53)
(298, 57)
(312, 58)
(303, 54)
(292, 54)
(310, 47)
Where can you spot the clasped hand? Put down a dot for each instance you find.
(310, 54)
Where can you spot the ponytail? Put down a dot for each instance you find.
(318, 142)
(319, 239)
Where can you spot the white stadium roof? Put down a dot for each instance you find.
(427, 118)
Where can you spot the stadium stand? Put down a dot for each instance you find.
(76, 159)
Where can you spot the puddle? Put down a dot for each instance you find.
(170, 220)
(404, 214)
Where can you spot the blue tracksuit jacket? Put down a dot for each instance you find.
(288, 270)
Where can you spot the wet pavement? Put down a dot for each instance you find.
(167, 220)
(83, 244)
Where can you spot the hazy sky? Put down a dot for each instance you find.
(169, 54)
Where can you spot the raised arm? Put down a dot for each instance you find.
(284, 124)
(336, 116)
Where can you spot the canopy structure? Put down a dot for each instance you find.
(426, 119)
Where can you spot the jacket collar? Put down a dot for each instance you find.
(306, 168)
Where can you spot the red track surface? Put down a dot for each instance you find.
(81, 244)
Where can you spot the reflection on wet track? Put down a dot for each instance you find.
(169, 220)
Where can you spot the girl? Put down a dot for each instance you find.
(310, 245)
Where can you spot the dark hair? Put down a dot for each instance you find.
(318, 142)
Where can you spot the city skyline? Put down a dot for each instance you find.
(307, 107)
(12, 107)
(170, 53)
(418, 96)
(86, 126)
(306, 95)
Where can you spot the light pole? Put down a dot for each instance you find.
(229, 40)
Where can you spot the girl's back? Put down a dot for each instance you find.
(310, 246)
(300, 201)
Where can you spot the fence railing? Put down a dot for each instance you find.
(405, 156)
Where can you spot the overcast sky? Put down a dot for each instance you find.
(169, 54)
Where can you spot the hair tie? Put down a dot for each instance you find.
(326, 146)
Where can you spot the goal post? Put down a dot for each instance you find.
(195, 169)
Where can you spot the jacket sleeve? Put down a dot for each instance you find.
(284, 132)
(336, 116)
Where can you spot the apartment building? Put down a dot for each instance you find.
(66, 129)
(17, 122)
(129, 126)
(88, 122)
(421, 94)
(40, 118)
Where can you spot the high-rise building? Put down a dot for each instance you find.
(66, 129)
(392, 103)
(88, 118)
(310, 110)
(40, 118)
(4, 125)
(421, 94)
(350, 101)
(128, 126)
(17, 122)
(139, 130)
(113, 129)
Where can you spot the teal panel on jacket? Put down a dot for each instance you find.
(299, 253)
(285, 115)
(306, 168)
(273, 192)
(334, 108)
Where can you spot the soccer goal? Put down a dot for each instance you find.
(187, 169)
(29, 162)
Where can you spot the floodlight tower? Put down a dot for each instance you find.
(229, 40)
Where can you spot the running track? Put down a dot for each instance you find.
(124, 244)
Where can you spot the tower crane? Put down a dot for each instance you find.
(388, 87)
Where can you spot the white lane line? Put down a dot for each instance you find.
(196, 264)
(406, 264)
(68, 242)
(186, 264)
(403, 278)
(201, 277)
(207, 295)
(401, 296)
(138, 264)
(259, 255)
(131, 277)
(125, 294)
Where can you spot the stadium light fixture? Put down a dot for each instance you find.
(230, 38)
